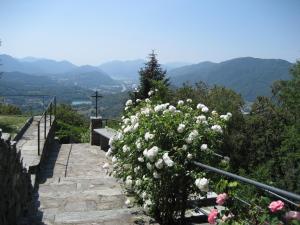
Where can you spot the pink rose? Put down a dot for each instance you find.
(213, 216)
(292, 215)
(221, 198)
(276, 206)
(229, 216)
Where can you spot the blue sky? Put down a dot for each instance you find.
(96, 31)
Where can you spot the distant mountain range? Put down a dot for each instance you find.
(249, 76)
(128, 70)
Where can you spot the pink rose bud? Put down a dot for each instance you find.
(221, 198)
(292, 215)
(212, 217)
(276, 206)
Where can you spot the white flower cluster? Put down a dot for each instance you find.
(149, 136)
(167, 160)
(126, 148)
(128, 181)
(180, 102)
(192, 136)
(201, 119)
(226, 117)
(140, 156)
(132, 124)
(129, 102)
(217, 128)
(180, 128)
(202, 184)
(161, 107)
(151, 153)
(202, 107)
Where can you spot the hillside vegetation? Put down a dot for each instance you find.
(251, 77)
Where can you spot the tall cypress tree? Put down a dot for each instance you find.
(150, 73)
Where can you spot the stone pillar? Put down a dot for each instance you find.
(96, 122)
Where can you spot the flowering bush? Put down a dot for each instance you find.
(154, 150)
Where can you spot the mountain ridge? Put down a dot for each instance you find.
(248, 76)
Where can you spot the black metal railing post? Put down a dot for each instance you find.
(55, 106)
(50, 113)
(45, 125)
(39, 137)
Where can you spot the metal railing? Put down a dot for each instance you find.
(284, 195)
(50, 112)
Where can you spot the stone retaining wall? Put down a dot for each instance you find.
(15, 184)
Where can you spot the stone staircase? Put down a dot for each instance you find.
(75, 189)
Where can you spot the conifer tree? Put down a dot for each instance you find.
(151, 73)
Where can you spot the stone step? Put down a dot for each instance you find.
(83, 201)
(108, 217)
(65, 186)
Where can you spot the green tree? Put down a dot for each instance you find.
(149, 74)
(287, 93)
(6, 109)
(72, 127)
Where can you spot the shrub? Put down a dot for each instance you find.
(153, 153)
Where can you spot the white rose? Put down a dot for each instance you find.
(180, 128)
(149, 136)
(203, 147)
(126, 148)
(150, 93)
(159, 164)
(149, 166)
(204, 109)
(180, 102)
(140, 159)
(224, 117)
(202, 184)
(200, 106)
(167, 160)
(217, 128)
(189, 156)
(129, 102)
(172, 108)
(151, 153)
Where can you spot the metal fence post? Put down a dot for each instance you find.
(39, 137)
(55, 106)
(50, 113)
(45, 125)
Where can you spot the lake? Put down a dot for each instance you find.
(81, 103)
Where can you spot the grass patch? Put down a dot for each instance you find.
(12, 124)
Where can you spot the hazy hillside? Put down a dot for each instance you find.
(16, 83)
(127, 70)
(249, 76)
(63, 71)
(32, 65)
(92, 79)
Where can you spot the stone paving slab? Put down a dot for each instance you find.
(114, 216)
(28, 144)
(75, 189)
